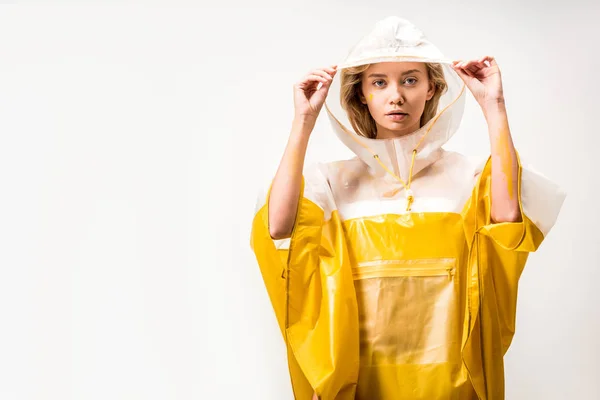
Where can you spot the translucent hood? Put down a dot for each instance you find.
(396, 39)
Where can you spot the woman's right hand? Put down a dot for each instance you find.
(307, 99)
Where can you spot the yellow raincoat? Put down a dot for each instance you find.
(376, 302)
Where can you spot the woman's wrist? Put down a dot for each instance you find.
(304, 120)
(494, 107)
(303, 125)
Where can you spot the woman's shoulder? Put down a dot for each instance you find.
(328, 171)
(457, 163)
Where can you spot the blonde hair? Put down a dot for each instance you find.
(358, 113)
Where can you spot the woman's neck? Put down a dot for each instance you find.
(383, 133)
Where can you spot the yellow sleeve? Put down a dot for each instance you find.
(497, 256)
(310, 286)
(540, 201)
(505, 246)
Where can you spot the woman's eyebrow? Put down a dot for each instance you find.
(385, 76)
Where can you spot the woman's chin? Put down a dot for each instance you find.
(393, 124)
(399, 129)
(397, 125)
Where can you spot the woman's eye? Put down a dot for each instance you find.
(379, 80)
(411, 79)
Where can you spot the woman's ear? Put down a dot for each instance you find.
(431, 91)
(361, 96)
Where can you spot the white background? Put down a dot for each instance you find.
(134, 138)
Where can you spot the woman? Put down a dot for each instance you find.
(394, 274)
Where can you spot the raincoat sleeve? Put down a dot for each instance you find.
(497, 256)
(540, 201)
(310, 286)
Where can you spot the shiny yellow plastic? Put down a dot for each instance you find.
(457, 275)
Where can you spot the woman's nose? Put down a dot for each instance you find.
(396, 95)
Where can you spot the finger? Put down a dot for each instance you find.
(458, 70)
(323, 87)
(323, 77)
(459, 67)
(471, 65)
(474, 68)
(321, 72)
(462, 63)
(468, 72)
(462, 72)
(491, 60)
(313, 78)
(479, 63)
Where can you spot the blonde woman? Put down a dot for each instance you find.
(394, 274)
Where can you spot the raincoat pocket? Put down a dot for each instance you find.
(408, 311)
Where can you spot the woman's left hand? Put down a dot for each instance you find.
(483, 80)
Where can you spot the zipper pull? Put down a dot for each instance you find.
(409, 199)
(449, 273)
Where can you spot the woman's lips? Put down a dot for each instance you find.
(396, 117)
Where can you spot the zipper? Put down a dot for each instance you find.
(415, 267)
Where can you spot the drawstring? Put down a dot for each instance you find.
(409, 194)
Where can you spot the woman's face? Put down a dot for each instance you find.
(396, 86)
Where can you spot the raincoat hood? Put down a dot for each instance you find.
(397, 39)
